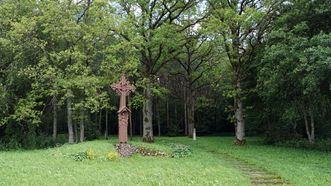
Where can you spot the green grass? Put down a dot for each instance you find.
(204, 167)
(298, 166)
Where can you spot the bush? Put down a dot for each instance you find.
(112, 155)
(80, 156)
(90, 154)
(44, 141)
(180, 150)
(11, 144)
(28, 138)
(320, 145)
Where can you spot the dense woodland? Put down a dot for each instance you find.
(224, 67)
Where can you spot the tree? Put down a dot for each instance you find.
(155, 29)
(196, 59)
(65, 60)
(240, 25)
(295, 66)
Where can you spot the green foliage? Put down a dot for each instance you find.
(294, 73)
(31, 140)
(273, 56)
(80, 156)
(323, 145)
(12, 144)
(180, 150)
(47, 49)
(239, 28)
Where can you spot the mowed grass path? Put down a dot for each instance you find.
(297, 166)
(206, 166)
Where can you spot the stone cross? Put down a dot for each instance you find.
(123, 88)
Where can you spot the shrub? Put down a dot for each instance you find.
(112, 155)
(43, 141)
(180, 150)
(80, 156)
(320, 144)
(90, 154)
(12, 144)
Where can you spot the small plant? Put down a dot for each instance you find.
(180, 150)
(112, 155)
(80, 156)
(90, 154)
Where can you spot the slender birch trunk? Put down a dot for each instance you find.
(310, 130)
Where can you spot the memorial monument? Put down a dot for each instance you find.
(123, 88)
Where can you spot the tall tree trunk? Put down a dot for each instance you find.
(106, 127)
(168, 115)
(310, 132)
(82, 126)
(96, 117)
(190, 119)
(185, 112)
(190, 113)
(54, 118)
(76, 132)
(158, 119)
(215, 116)
(130, 117)
(239, 115)
(175, 114)
(148, 115)
(100, 125)
(69, 117)
(295, 128)
(312, 126)
(140, 122)
(133, 127)
(305, 118)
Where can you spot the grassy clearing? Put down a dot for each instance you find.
(298, 166)
(204, 167)
(51, 167)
